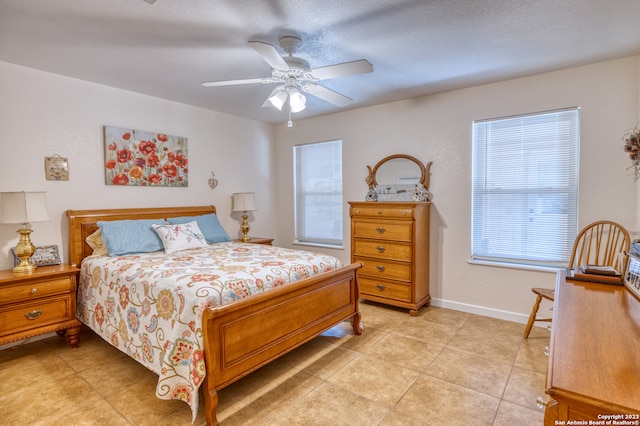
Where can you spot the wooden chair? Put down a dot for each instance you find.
(599, 243)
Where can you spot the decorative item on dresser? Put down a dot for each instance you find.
(391, 238)
(38, 303)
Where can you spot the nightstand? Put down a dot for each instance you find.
(39, 303)
(256, 240)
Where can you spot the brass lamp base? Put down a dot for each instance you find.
(244, 227)
(24, 251)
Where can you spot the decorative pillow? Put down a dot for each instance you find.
(209, 225)
(130, 236)
(181, 236)
(96, 243)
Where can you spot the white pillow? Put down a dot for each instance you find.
(180, 236)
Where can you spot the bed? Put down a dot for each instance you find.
(234, 339)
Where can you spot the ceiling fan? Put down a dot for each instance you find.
(293, 73)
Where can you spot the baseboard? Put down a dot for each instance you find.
(481, 310)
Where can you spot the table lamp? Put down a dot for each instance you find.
(244, 202)
(23, 208)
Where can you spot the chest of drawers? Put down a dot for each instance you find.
(391, 240)
(39, 303)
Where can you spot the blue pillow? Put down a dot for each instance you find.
(209, 225)
(131, 236)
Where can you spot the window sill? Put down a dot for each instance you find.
(550, 269)
(331, 246)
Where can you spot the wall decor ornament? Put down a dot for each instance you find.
(631, 141)
(141, 158)
(213, 182)
(56, 168)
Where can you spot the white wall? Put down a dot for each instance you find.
(438, 128)
(43, 114)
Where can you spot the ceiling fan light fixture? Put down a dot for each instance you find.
(278, 97)
(297, 101)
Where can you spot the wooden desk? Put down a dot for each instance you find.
(594, 358)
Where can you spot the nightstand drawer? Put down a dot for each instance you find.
(382, 250)
(34, 290)
(383, 269)
(24, 316)
(382, 288)
(383, 230)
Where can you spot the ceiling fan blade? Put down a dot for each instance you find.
(327, 94)
(269, 53)
(361, 66)
(235, 82)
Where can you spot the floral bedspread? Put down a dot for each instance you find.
(150, 305)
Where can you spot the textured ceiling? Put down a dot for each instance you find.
(417, 47)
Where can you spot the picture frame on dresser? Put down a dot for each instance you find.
(43, 256)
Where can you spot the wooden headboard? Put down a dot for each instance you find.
(83, 223)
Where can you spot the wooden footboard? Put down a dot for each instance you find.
(243, 336)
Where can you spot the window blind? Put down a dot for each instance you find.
(525, 188)
(318, 193)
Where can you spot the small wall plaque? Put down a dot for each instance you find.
(56, 168)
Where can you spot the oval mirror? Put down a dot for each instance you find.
(395, 176)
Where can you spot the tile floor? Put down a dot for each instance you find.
(442, 367)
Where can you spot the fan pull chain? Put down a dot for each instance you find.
(290, 123)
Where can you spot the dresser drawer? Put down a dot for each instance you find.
(382, 288)
(375, 211)
(383, 269)
(25, 316)
(382, 249)
(383, 230)
(34, 290)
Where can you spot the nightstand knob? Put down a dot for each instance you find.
(381, 249)
(380, 287)
(380, 268)
(33, 314)
(34, 290)
(541, 402)
(380, 230)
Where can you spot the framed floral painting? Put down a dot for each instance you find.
(140, 158)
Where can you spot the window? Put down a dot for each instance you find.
(525, 188)
(318, 193)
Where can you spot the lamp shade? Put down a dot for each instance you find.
(244, 201)
(23, 207)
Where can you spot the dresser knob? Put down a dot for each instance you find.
(380, 268)
(381, 249)
(380, 230)
(33, 314)
(379, 212)
(380, 287)
(34, 290)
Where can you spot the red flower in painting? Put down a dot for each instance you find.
(112, 146)
(111, 164)
(126, 136)
(147, 147)
(139, 161)
(136, 172)
(124, 155)
(180, 160)
(162, 137)
(120, 179)
(154, 178)
(170, 170)
(171, 156)
(153, 160)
